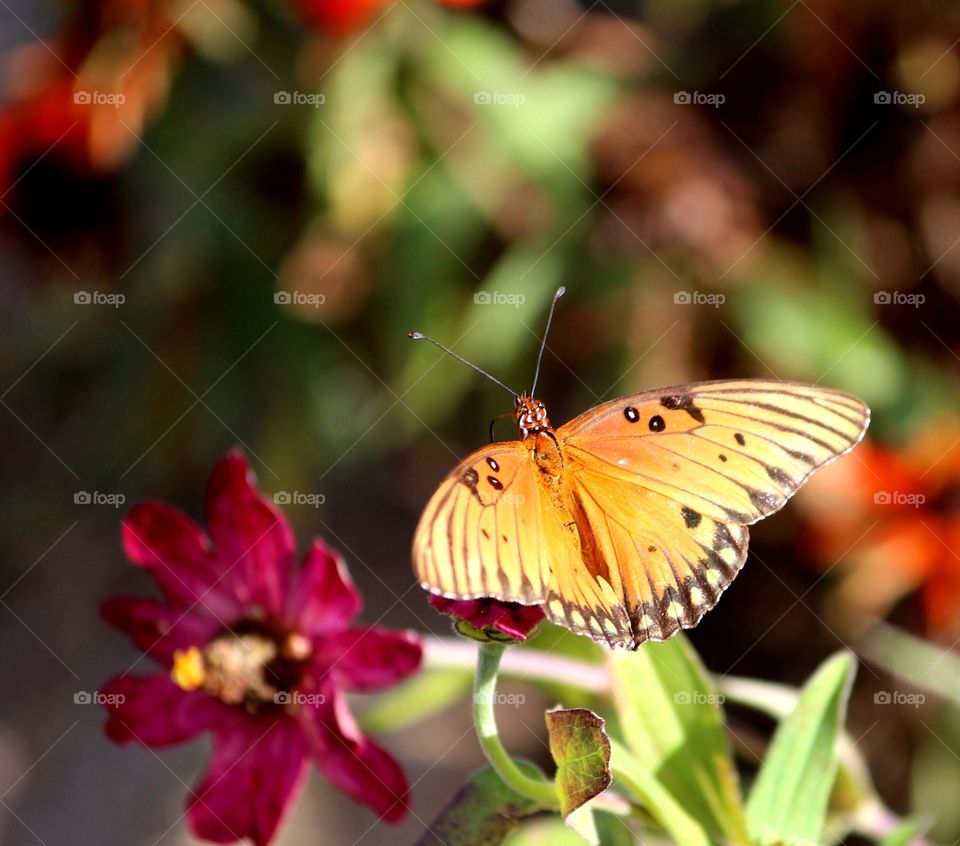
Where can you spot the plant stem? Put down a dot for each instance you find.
(484, 696)
(522, 664)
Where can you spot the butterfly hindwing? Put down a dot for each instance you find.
(660, 565)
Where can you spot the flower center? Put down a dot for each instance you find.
(251, 665)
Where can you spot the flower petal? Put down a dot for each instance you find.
(366, 659)
(177, 554)
(322, 598)
(354, 763)
(155, 712)
(256, 773)
(156, 628)
(509, 618)
(252, 538)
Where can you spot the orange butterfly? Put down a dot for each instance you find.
(628, 522)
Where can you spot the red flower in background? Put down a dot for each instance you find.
(344, 17)
(85, 96)
(258, 652)
(901, 512)
(512, 619)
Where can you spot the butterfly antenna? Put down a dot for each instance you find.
(543, 344)
(419, 336)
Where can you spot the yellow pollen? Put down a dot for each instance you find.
(188, 671)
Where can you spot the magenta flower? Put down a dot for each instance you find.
(258, 652)
(512, 619)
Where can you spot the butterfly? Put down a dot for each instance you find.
(628, 522)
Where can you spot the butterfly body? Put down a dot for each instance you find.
(628, 522)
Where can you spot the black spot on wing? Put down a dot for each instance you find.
(684, 402)
(690, 517)
(470, 478)
(739, 439)
(656, 423)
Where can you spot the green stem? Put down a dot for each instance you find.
(484, 696)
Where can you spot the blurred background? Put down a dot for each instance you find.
(219, 219)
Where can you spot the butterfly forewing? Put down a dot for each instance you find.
(735, 451)
(485, 532)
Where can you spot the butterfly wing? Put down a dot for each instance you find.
(487, 531)
(663, 483)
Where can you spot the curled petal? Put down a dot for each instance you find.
(323, 597)
(177, 554)
(155, 712)
(256, 773)
(365, 659)
(253, 540)
(509, 618)
(156, 628)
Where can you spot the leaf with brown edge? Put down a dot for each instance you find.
(581, 750)
(482, 813)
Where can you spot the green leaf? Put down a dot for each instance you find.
(581, 750)
(666, 810)
(671, 722)
(788, 803)
(482, 813)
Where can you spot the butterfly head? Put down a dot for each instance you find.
(531, 415)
